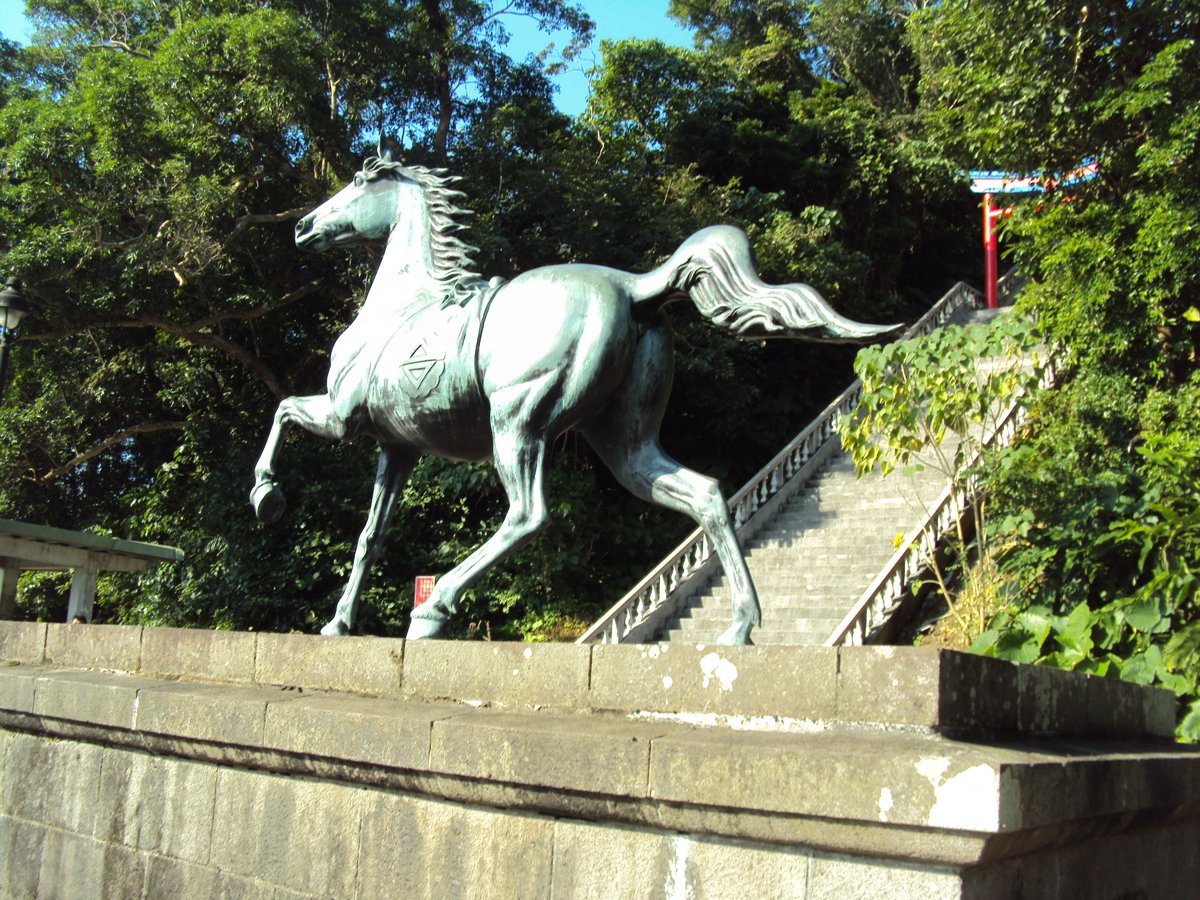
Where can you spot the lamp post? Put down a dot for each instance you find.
(13, 308)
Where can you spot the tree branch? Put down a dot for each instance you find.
(111, 441)
(206, 339)
(249, 219)
(120, 46)
(179, 328)
(245, 315)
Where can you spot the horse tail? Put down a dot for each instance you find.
(715, 269)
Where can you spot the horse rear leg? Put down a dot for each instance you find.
(521, 464)
(395, 466)
(648, 472)
(315, 414)
(625, 435)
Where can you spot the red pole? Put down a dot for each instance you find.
(989, 252)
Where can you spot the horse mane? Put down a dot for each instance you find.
(453, 259)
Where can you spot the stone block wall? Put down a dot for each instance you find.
(164, 763)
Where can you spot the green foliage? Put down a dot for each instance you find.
(1117, 589)
(1097, 506)
(935, 401)
(955, 382)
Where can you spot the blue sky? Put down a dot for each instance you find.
(615, 19)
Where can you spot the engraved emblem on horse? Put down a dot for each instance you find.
(440, 361)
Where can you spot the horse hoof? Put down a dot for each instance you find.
(735, 636)
(268, 502)
(335, 629)
(422, 627)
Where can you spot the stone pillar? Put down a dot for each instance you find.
(9, 573)
(83, 592)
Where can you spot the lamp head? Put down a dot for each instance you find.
(13, 306)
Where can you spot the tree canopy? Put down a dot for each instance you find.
(154, 157)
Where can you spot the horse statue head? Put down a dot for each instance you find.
(411, 207)
(365, 210)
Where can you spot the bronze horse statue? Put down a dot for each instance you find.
(440, 361)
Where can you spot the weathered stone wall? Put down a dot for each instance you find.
(164, 763)
(145, 825)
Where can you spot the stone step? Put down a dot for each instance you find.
(760, 636)
(834, 533)
(822, 603)
(813, 554)
(772, 614)
(821, 626)
(720, 618)
(793, 595)
(798, 583)
(806, 568)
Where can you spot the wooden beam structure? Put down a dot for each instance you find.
(24, 545)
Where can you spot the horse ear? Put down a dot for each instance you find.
(387, 149)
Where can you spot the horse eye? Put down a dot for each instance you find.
(359, 181)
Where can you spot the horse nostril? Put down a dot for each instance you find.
(304, 226)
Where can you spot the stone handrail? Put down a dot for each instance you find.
(635, 615)
(917, 549)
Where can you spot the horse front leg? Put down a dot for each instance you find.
(395, 466)
(520, 463)
(315, 414)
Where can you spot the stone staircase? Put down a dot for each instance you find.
(812, 562)
(816, 556)
(828, 551)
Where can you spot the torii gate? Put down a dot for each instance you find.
(989, 183)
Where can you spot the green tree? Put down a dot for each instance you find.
(155, 157)
(865, 43)
(1042, 87)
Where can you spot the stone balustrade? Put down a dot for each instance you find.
(640, 613)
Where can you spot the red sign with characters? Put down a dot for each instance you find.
(422, 589)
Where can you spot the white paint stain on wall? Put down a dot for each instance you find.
(970, 799)
(713, 666)
(885, 804)
(676, 886)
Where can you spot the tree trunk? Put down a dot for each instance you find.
(442, 92)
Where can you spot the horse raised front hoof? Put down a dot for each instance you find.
(422, 627)
(268, 501)
(335, 629)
